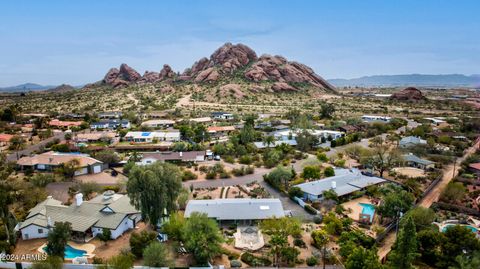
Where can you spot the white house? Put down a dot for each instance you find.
(344, 182)
(222, 116)
(171, 156)
(289, 134)
(373, 118)
(411, 141)
(150, 137)
(87, 218)
(111, 124)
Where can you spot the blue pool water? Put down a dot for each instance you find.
(368, 209)
(71, 252)
(146, 134)
(473, 229)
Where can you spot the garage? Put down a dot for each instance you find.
(97, 169)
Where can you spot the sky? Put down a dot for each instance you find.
(76, 42)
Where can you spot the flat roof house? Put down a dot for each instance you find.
(94, 137)
(149, 137)
(110, 124)
(48, 161)
(237, 210)
(161, 123)
(64, 124)
(373, 118)
(411, 141)
(110, 115)
(345, 181)
(87, 218)
(289, 134)
(222, 116)
(171, 156)
(5, 140)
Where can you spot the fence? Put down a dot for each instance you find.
(20, 265)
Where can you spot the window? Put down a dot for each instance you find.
(40, 231)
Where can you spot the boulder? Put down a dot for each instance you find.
(408, 94)
(208, 75)
(283, 87)
(166, 72)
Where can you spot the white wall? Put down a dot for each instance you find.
(81, 171)
(32, 232)
(123, 227)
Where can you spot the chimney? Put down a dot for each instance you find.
(79, 199)
(181, 154)
(334, 184)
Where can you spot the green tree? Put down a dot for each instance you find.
(175, 226)
(381, 158)
(311, 172)
(156, 255)
(306, 141)
(454, 192)
(268, 140)
(279, 230)
(295, 192)
(405, 250)
(139, 241)
(51, 262)
(467, 261)
(329, 171)
(58, 238)
(121, 261)
(202, 238)
(320, 240)
(362, 258)
(429, 241)
(394, 201)
(158, 184)
(68, 168)
(459, 240)
(327, 110)
(17, 143)
(107, 156)
(422, 217)
(105, 235)
(279, 177)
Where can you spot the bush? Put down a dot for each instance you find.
(188, 175)
(329, 172)
(235, 264)
(298, 242)
(245, 159)
(229, 159)
(312, 261)
(139, 241)
(251, 260)
(42, 180)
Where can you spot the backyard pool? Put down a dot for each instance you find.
(368, 209)
(71, 252)
(473, 229)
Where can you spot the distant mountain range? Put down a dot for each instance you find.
(418, 80)
(28, 87)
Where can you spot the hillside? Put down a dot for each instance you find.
(419, 80)
(26, 87)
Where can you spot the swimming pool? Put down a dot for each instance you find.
(473, 229)
(71, 252)
(368, 209)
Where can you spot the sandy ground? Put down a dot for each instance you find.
(103, 178)
(59, 190)
(409, 171)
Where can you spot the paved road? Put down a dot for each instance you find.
(449, 173)
(12, 157)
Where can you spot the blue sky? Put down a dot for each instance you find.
(76, 42)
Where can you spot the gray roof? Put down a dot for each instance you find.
(173, 156)
(412, 158)
(237, 209)
(88, 214)
(346, 181)
(412, 140)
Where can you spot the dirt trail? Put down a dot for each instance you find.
(131, 97)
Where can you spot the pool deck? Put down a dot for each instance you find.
(355, 207)
(89, 248)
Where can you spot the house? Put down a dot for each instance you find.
(263, 145)
(48, 161)
(170, 156)
(345, 182)
(222, 116)
(411, 141)
(237, 210)
(203, 120)
(372, 118)
(150, 137)
(5, 140)
(161, 123)
(94, 137)
(110, 115)
(414, 161)
(87, 218)
(64, 124)
(437, 122)
(348, 129)
(111, 124)
(220, 131)
(475, 168)
(289, 134)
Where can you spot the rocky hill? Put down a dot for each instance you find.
(408, 94)
(230, 62)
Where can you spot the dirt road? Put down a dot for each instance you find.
(449, 173)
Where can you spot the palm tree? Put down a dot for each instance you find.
(268, 140)
(17, 143)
